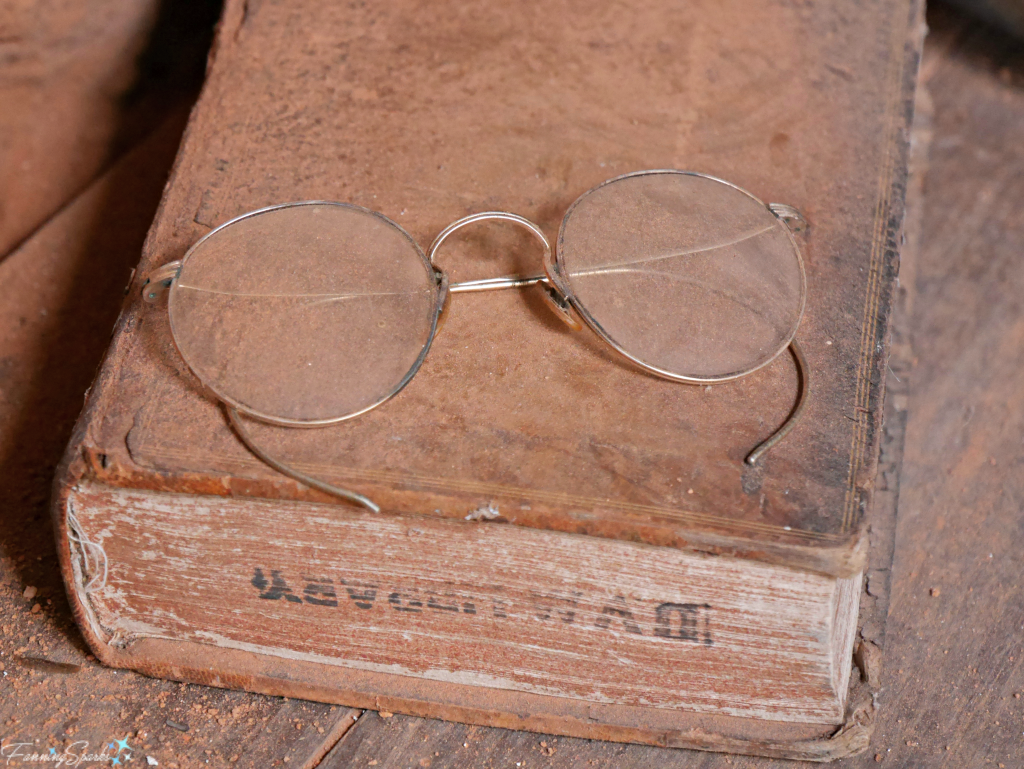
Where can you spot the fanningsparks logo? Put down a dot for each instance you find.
(77, 754)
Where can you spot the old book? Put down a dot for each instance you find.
(565, 545)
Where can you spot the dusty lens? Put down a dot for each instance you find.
(308, 312)
(687, 274)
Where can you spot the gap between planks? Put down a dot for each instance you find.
(333, 738)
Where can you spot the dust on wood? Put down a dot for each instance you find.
(61, 290)
(953, 672)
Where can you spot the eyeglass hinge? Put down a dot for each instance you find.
(160, 280)
(790, 215)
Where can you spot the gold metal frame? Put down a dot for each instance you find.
(167, 275)
(563, 284)
(557, 291)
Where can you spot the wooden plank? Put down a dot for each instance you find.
(59, 295)
(82, 82)
(949, 674)
(952, 664)
(953, 656)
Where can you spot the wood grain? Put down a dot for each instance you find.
(602, 451)
(81, 84)
(59, 294)
(953, 657)
(963, 699)
(495, 607)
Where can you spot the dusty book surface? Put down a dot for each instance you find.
(426, 118)
(511, 408)
(512, 609)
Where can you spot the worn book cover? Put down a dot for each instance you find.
(565, 544)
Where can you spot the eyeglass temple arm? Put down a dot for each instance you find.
(236, 423)
(291, 472)
(162, 278)
(803, 385)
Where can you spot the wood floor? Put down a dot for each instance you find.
(953, 675)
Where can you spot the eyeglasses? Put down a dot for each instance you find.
(312, 313)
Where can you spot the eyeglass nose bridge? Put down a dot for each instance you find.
(556, 299)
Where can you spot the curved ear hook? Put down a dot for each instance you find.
(554, 296)
(159, 281)
(798, 409)
(235, 419)
(796, 222)
(291, 472)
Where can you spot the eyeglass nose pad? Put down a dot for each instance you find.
(559, 304)
(556, 295)
(444, 295)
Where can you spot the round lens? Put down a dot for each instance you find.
(685, 274)
(304, 313)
